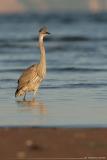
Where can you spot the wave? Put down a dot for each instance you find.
(73, 69)
(10, 70)
(10, 45)
(7, 80)
(53, 16)
(17, 61)
(63, 86)
(64, 69)
(98, 17)
(78, 85)
(65, 17)
(27, 42)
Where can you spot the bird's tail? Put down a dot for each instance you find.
(19, 92)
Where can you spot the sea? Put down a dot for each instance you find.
(74, 92)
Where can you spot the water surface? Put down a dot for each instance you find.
(74, 93)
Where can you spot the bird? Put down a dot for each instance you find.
(32, 77)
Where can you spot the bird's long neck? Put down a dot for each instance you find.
(42, 51)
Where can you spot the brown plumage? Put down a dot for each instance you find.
(32, 77)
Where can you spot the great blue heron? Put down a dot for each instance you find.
(32, 77)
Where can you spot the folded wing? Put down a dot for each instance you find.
(28, 76)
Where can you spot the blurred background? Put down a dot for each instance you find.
(75, 89)
(11, 6)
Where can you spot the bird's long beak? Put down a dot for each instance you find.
(48, 33)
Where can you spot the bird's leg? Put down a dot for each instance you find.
(24, 97)
(37, 92)
(34, 94)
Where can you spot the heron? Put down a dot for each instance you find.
(32, 77)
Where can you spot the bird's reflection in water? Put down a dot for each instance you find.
(33, 104)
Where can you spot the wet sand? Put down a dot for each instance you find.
(53, 143)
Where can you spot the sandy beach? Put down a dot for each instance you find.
(52, 143)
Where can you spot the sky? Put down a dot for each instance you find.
(11, 6)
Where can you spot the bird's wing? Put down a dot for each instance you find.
(29, 75)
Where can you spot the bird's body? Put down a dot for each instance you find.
(32, 77)
(29, 80)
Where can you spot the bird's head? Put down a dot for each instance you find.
(43, 31)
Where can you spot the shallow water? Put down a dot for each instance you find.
(74, 93)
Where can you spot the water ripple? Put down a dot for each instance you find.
(63, 69)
